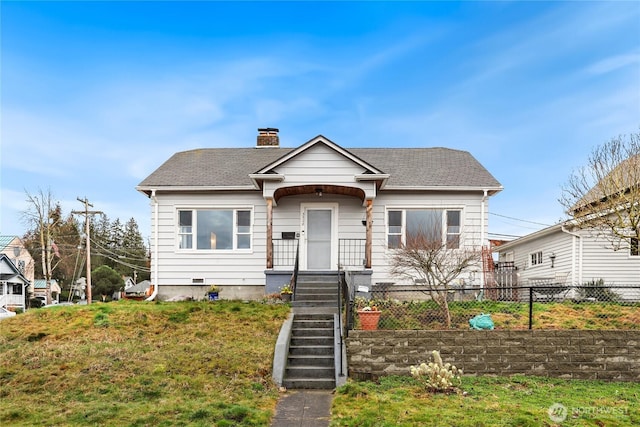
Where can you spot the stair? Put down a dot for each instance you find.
(311, 358)
(316, 290)
(311, 361)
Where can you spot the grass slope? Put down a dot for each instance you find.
(140, 364)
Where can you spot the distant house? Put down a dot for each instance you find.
(40, 290)
(573, 255)
(13, 247)
(128, 282)
(585, 249)
(241, 217)
(13, 285)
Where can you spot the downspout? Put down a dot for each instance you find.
(573, 256)
(154, 263)
(482, 235)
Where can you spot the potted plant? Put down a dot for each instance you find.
(286, 292)
(213, 292)
(368, 314)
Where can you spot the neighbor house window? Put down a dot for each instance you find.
(214, 229)
(536, 258)
(434, 225)
(634, 247)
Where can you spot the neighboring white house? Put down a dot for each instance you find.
(13, 285)
(235, 217)
(562, 253)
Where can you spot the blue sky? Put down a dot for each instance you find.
(96, 95)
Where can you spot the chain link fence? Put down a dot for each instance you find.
(591, 306)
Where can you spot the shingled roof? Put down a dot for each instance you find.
(407, 167)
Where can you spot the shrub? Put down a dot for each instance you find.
(437, 376)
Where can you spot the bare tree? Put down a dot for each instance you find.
(604, 195)
(425, 259)
(42, 216)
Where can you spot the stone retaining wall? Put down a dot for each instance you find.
(571, 354)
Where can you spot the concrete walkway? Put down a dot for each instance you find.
(303, 408)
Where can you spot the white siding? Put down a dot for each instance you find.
(178, 267)
(469, 203)
(596, 260)
(319, 165)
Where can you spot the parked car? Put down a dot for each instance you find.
(5, 314)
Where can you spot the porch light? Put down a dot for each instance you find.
(319, 192)
(552, 257)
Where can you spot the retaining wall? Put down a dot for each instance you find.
(571, 354)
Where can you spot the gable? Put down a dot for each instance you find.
(320, 163)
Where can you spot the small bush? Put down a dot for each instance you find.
(437, 376)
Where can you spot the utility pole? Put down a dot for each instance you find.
(86, 214)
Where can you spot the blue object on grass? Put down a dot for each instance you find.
(481, 321)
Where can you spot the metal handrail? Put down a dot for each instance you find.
(294, 275)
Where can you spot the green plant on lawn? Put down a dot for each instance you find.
(437, 376)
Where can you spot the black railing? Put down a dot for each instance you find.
(284, 252)
(351, 252)
(296, 267)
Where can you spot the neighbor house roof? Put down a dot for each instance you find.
(409, 168)
(6, 241)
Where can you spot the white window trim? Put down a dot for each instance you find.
(194, 228)
(404, 210)
(541, 259)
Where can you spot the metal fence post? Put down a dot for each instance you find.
(530, 307)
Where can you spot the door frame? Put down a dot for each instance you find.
(333, 207)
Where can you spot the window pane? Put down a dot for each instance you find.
(215, 229)
(453, 221)
(394, 241)
(424, 223)
(244, 241)
(186, 241)
(244, 219)
(185, 218)
(395, 219)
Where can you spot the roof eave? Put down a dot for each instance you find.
(490, 190)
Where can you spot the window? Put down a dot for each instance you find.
(634, 247)
(536, 258)
(214, 229)
(434, 225)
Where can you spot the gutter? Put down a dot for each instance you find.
(573, 256)
(155, 244)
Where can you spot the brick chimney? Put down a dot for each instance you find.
(268, 137)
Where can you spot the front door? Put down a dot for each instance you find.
(318, 229)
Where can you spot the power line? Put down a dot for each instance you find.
(518, 219)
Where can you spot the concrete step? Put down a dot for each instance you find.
(310, 383)
(313, 372)
(310, 360)
(311, 350)
(309, 323)
(314, 303)
(311, 341)
(320, 296)
(312, 332)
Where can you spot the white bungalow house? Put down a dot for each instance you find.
(13, 285)
(237, 217)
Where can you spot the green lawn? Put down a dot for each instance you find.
(209, 364)
(487, 401)
(140, 364)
